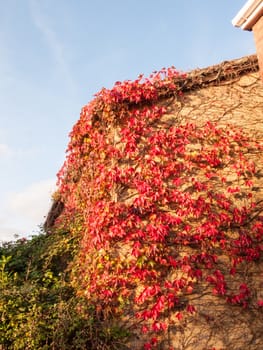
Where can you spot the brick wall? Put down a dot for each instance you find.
(258, 35)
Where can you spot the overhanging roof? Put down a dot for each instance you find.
(249, 14)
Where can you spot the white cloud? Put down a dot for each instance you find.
(8, 234)
(53, 42)
(5, 150)
(24, 211)
(11, 153)
(33, 202)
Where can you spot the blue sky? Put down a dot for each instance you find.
(55, 55)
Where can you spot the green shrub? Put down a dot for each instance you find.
(38, 307)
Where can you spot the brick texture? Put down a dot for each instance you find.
(258, 36)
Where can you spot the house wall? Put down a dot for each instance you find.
(258, 36)
(217, 324)
(240, 103)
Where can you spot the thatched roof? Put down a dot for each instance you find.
(222, 73)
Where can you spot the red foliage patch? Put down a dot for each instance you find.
(154, 204)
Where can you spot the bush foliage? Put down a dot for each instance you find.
(39, 308)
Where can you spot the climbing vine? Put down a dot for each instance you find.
(165, 210)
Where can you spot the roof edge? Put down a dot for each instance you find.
(248, 15)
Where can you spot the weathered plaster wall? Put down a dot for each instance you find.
(238, 102)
